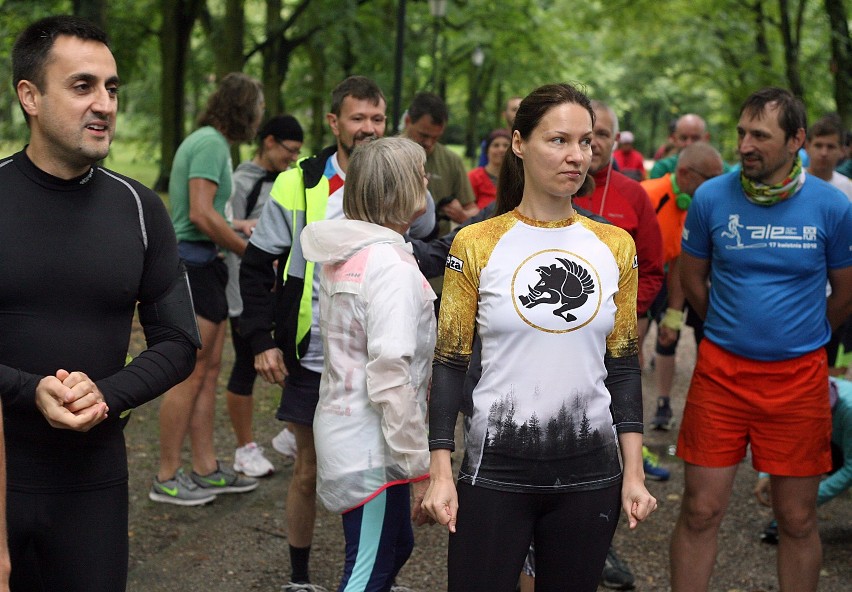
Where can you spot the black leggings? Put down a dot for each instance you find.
(73, 542)
(572, 533)
(243, 374)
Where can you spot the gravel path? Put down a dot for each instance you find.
(239, 542)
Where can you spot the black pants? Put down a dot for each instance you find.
(68, 542)
(572, 533)
(243, 374)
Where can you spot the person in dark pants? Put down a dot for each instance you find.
(539, 455)
(82, 248)
(278, 143)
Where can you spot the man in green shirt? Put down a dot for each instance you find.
(690, 128)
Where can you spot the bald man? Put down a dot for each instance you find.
(690, 128)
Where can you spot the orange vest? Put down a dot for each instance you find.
(669, 216)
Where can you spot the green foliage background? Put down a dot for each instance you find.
(651, 60)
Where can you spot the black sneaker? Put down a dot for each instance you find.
(663, 420)
(770, 533)
(616, 575)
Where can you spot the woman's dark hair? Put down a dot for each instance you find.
(234, 107)
(510, 188)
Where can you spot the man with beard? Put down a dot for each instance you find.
(767, 237)
(293, 358)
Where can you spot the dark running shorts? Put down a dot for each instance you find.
(207, 283)
(300, 397)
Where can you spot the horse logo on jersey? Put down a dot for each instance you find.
(561, 291)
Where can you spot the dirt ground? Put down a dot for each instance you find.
(239, 542)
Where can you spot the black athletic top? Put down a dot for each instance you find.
(75, 257)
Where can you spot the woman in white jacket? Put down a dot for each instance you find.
(378, 329)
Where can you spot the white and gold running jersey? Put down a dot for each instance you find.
(549, 301)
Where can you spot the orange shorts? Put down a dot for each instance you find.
(780, 408)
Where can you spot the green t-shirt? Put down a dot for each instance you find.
(204, 154)
(669, 165)
(663, 166)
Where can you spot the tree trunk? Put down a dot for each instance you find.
(233, 30)
(93, 10)
(178, 19)
(272, 79)
(791, 47)
(320, 103)
(841, 59)
(760, 42)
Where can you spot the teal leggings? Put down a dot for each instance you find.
(379, 541)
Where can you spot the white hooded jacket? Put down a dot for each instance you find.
(378, 329)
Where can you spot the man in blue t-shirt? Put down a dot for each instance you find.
(767, 238)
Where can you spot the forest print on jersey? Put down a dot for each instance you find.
(549, 301)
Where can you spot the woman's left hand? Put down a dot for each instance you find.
(636, 501)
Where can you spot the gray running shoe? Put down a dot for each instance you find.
(616, 575)
(224, 480)
(663, 420)
(303, 587)
(179, 490)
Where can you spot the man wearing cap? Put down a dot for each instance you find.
(629, 160)
(278, 145)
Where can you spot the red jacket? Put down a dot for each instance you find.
(624, 203)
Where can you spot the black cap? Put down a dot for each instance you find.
(283, 127)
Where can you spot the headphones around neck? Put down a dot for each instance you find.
(683, 200)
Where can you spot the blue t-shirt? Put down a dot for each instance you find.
(769, 265)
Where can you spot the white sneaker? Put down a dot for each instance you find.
(285, 443)
(250, 461)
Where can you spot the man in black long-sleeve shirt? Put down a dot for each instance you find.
(80, 246)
